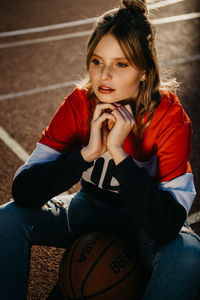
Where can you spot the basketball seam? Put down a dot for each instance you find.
(113, 285)
(92, 267)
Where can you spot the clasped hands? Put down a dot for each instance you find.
(109, 138)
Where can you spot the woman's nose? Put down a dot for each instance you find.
(106, 73)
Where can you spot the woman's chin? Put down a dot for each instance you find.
(112, 99)
(108, 100)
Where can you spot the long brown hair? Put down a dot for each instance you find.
(130, 25)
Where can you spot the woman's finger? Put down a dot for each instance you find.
(128, 107)
(122, 112)
(127, 113)
(103, 117)
(119, 114)
(101, 108)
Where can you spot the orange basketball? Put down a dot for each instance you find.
(101, 266)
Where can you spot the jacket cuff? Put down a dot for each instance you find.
(76, 162)
(126, 170)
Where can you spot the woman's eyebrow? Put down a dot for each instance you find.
(116, 58)
(94, 54)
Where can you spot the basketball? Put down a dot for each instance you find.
(101, 266)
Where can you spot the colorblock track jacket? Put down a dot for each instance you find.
(154, 182)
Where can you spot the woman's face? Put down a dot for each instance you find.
(113, 78)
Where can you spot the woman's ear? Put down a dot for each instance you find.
(143, 78)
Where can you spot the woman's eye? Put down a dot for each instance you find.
(95, 61)
(122, 65)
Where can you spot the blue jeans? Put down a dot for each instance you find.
(174, 267)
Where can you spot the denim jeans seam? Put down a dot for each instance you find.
(156, 259)
(191, 234)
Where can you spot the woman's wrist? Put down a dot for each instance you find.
(118, 154)
(86, 155)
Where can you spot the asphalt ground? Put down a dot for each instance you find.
(29, 97)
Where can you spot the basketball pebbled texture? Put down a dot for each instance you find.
(101, 266)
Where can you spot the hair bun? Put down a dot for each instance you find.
(135, 5)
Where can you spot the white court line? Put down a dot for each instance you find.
(178, 18)
(49, 27)
(76, 23)
(85, 33)
(163, 3)
(194, 218)
(13, 145)
(73, 83)
(181, 60)
(37, 90)
(46, 39)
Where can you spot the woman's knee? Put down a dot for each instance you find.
(184, 251)
(191, 249)
(11, 215)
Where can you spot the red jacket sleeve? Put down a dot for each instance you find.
(65, 131)
(174, 142)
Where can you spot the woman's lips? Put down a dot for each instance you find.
(105, 89)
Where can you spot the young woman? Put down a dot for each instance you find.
(129, 143)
